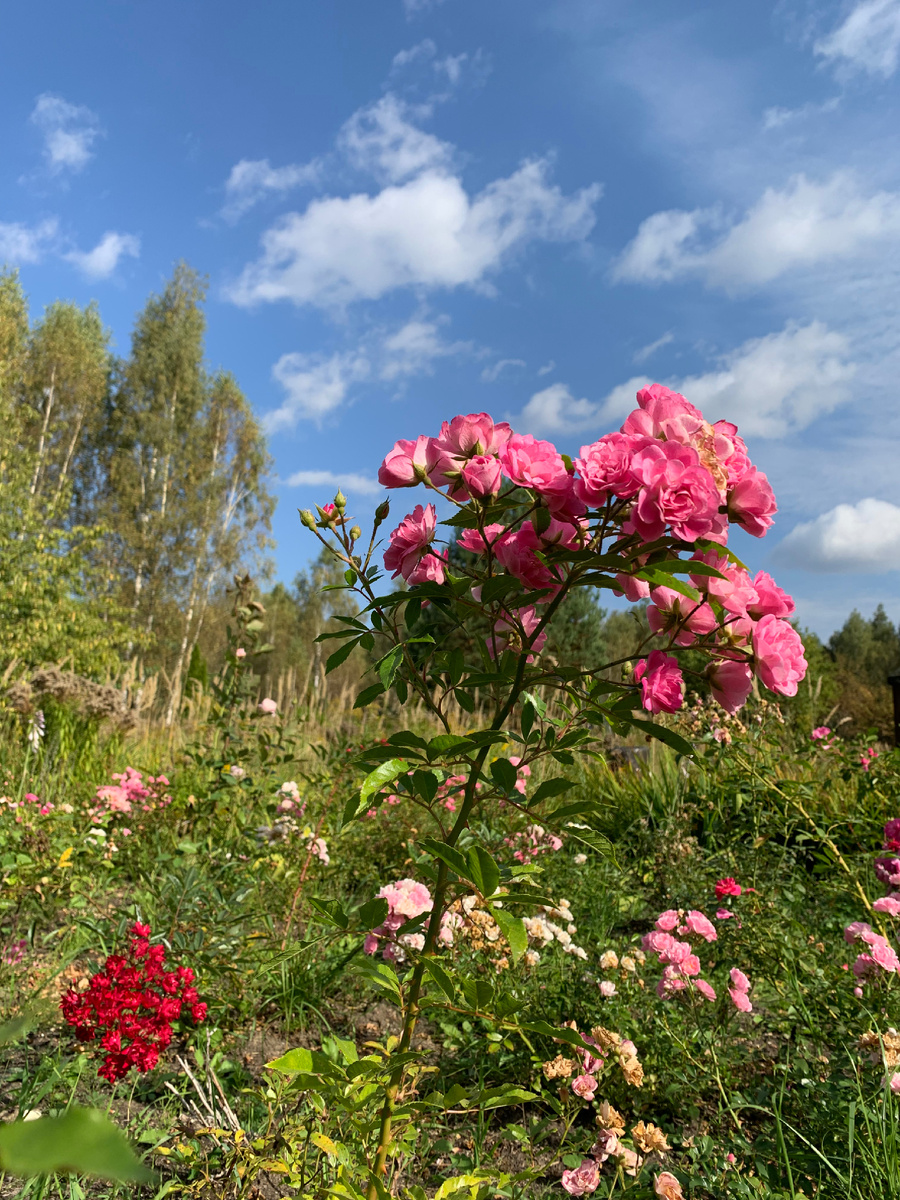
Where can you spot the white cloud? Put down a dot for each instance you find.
(315, 386)
(547, 368)
(412, 349)
(425, 233)
(69, 130)
(492, 374)
(778, 384)
(413, 7)
(769, 387)
(349, 482)
(851, 537)
(251, 180)
(20, 243)
(422, 51)
(776, 118)
(647, 351)
(805, 224)
(102, 261)
(868, 40)
(381, 140)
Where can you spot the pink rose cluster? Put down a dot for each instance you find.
(879, 958)
(130, 795)
(666, 472)
(531, 842)
(406, 900)
(681, 964)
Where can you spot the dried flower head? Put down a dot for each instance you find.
(649, 1138)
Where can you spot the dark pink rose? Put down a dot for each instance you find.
(731, 682)
(771, 600)
(661, 683)
(481, 476)
(410, 553)
(408, 463)
(604, 468)
(538, 465)
(751, 503)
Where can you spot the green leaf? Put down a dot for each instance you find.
(497, 1097)
(332, 912)
(440, 977)
(413, 612)
(386, 773)
(452, 857)
(569, 1036)
(550, 787)
(367, 695)
(528, 715)
(504, 774)
(675, 740)
(80, 1142)
(381, 975)
(446, 742)
(389, 666)
(483, 871)
(372, 913)
(408, 740)
(464, 700)
(513, 929)
(299, 1060)
(657, 578)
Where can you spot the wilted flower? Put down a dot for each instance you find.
(649, 1138)
(667, 1186)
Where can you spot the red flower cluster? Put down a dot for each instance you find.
(130, 1006)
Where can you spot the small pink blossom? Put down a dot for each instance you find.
(751, 503)
(727, 887)
(855, 930)
(888, 904)
(408, 463)
(723, 914)
(739, 980)
(730, 682)
(894, 1082)
(695, 922)
(662, 686)
(607, 989)
(706, 990)
(481, 476)
(537, 465)
(268, 707)
(740, 1000)
(820, 733)
(771, 600)
(583, 1180)
(240, 653)
(667, 1186)
(892, 834)
(479, 541)
(584, 1086)
(667, 920)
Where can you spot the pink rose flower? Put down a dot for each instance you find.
(409, 463)
(888, 870)
(479, 541)
(481, 476)
(677, 615)
(734, 590)
(667, 920)
(631, 588)
(819, 734)
(472, 435)
(771, 601)
(690, 965)
(706, 990)
(888, 904)
(410, 553)
(604, 469)
(882, 952)
(658, 942)
(667, 1186)
(728, 887)
(894, 1082)
(517, 553)
(607, 989)
(677, 491)
(740, 1000)
(739, 980)
(664, 414)
(582, 1180)
(751, 503)
(606, 1145)
(584, 1086)
(537, 465)
(240, 653)
(695, 922)
(730, 682)
(662, 687)
(722, 914)
(268, 707)
(855, 930)
(892, 834)
(508, 635)
(778, 655)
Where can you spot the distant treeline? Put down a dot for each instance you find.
(133, 489)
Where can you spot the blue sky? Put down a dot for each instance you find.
(413, 208)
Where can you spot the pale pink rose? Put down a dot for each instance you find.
(855, 930)
(410, 553)
(607, 989)
(478, 541)
(538, 465)
(730, 682)
(606, 1145)
(450, 923)
(667, 920)
(690, 965)
(370, 945)
(415, 941)
(676, 953)
(882, 952)
(408, 463)
(722, 914)
(604, 468)
(667, 1186)
(778, 655)
(751, 503)
(679, 616)
(858, 993)
(894, 1082)
(662, 687)
(888, 904)
(629, 1160)
(669, 985)
(481, 476)
(582, 1180)
(584, 1086)
(695, 922)
(740, 1000)
(739, 980)
(407, 898)
(517, 553)
(240, 652)
(706, 990)
(771, 601)
(268, 707)
(626, 1049)
(677, 491)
